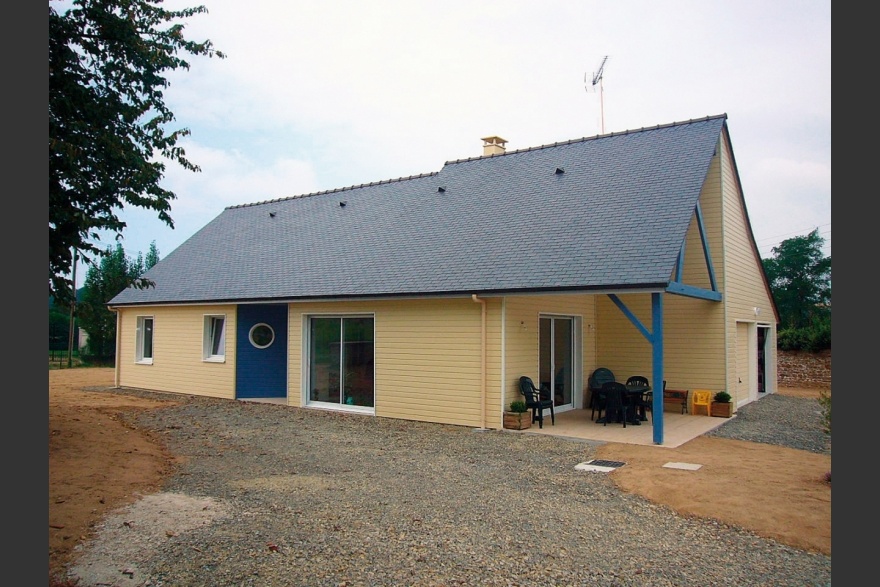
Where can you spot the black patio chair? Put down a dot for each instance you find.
(615, 403)
(599, 377)
(537, 400)
(642, 402)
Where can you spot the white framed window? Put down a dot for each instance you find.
(144, 344)
(214, 338)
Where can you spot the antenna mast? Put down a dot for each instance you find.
(597, 79)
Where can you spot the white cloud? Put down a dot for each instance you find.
(318, 96)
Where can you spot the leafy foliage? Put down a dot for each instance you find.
(815, 337)
(108, 135)
(722, 397)
(59, 325)
(116, 272)
(518, 406)
(800, 280)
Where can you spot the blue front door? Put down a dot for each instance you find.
(261, 351)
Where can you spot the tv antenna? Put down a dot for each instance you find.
(597, 80)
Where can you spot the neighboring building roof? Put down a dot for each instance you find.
(603, 213)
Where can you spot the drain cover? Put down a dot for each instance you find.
(599, 465)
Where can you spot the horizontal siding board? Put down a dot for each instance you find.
(523, 315)
(178, 366)
(427, 356)
(428, 351)
(746, 290)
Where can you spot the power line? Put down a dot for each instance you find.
(826, 236)
(766, 250)
(802, 232)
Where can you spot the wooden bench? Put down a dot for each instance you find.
(676, 396)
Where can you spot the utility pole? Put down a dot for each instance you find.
(72, 314)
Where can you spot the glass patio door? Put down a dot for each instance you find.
(341, 361)
(557, 358)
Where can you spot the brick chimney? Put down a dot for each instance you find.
(493, 146)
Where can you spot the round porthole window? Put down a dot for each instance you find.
(261, 335)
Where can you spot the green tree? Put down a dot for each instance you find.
(59, 324)
(109, 135)
(102, 283)
(800, 280)
(152, 257)
(142, 265)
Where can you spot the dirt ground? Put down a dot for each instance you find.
(98, 464)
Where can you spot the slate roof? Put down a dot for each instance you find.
(613, 218)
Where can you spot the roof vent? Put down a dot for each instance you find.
(342, 204)
(560, 171)
(441, 189)
(493, 146)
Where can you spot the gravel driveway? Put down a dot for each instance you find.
(271, 496)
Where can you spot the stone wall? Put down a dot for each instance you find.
(803, 369)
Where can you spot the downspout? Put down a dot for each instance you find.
(118, 345)
(482, 360)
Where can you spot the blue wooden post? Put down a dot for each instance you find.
(657, 359)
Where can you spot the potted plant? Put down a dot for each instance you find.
(722, 407)
(518, 417)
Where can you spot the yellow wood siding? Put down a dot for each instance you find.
(744, 286)
(744, 364)
(522, 337)
(428, 351)
(694, 330)
(177, 352)
(700, 337)
(427, 357)
(621, 347)
(695, 348)
(428, 361)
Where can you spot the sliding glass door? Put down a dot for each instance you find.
(341, 361)
(557, 358)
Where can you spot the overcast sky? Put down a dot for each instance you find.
(322, 95)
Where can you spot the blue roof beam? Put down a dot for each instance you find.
(679, 288)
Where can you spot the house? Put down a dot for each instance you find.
(427, 297)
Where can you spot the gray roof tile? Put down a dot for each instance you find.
(504, 223)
